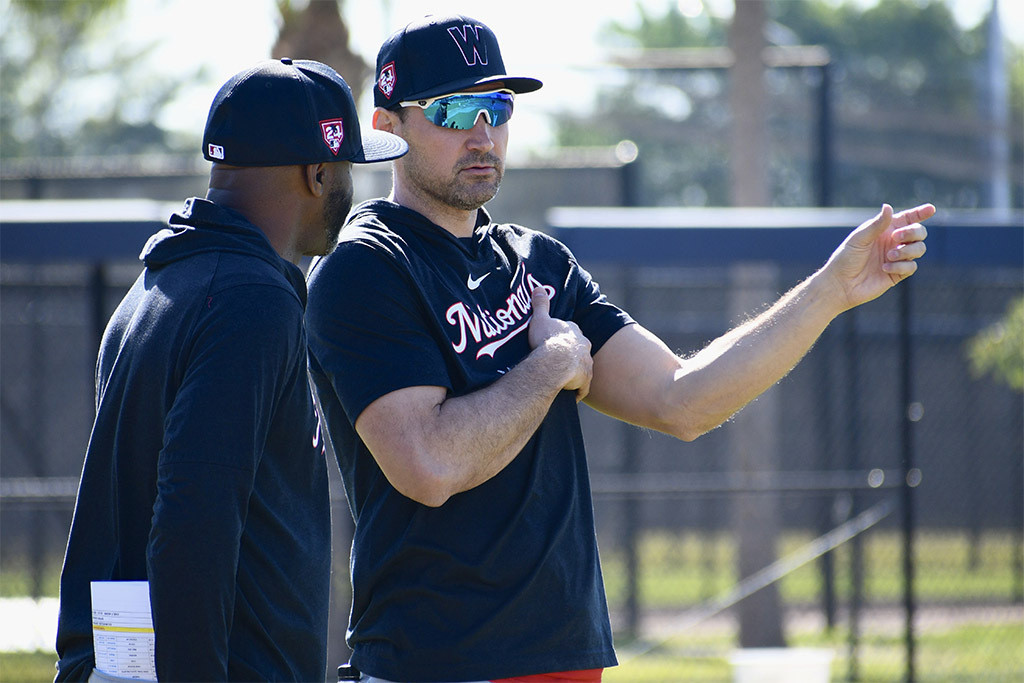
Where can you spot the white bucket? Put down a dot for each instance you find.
(781, 665)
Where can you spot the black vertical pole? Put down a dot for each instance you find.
(631, 511)
(97, 296)
(631, 537)
(37, 424)
(826, 461)
(853, 461)
(825, 135)
(1015, 483)
(629, 182)
(910, 474)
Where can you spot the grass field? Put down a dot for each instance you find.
(970, 625)
(685, 570)
(958, 654)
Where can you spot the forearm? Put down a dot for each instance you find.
(431, 446)
(712, 385)
(478, 434)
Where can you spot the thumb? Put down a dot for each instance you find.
(877, 225)
(540, 302)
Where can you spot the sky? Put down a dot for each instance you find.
(554, 40)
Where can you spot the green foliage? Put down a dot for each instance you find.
(20, 580)
(51, 61)
(999, 349)
(669, 30)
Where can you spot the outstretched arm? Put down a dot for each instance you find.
(639, 380)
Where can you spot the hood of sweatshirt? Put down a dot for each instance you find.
(203, 226)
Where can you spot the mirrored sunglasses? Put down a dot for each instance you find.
(462, 110)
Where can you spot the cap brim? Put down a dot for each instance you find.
(379, 145)
(517, 84)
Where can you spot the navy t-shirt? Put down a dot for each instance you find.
(504, 579)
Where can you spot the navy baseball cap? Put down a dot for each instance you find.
(440, 55)
(285, 112)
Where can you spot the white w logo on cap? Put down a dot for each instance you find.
(468, 39)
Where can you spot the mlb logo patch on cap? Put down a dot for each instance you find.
(386, 80)
(333, 132)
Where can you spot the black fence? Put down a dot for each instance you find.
(874, 495)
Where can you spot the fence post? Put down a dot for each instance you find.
(1018, 545)
(826, 432)
(754, 444)
(825, 161)
(631, 504)
(851, 352)
(911, 413)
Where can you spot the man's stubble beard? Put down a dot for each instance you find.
(336, 209)
(455, 191)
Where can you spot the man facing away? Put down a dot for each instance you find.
(449, 352)
(204, 473)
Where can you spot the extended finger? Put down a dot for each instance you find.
(914, 215)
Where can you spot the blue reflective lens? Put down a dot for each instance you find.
(462, 111)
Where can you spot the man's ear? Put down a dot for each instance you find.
(315, 178)
(385, 119)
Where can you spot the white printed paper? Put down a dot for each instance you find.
(122, 629)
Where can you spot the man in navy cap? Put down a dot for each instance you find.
(204, 475)
(450, 385)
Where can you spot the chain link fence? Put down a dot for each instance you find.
(786, 526)
(791, 524)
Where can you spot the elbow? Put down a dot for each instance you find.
(684, 431)
(689, 426)
(430, 496)
(424, 482)
(687, 434)
(682, 422)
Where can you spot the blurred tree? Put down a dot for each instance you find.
(678, 119)
(48, 54)
(314, 29)
(998, 350)
(907, 100)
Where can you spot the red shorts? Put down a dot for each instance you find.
(584, 676)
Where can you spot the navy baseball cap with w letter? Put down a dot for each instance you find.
(291, 112)
(441, 55)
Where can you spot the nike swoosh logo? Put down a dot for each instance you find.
(491, 348)
(473, 283)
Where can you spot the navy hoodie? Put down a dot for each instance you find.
(205, 474)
